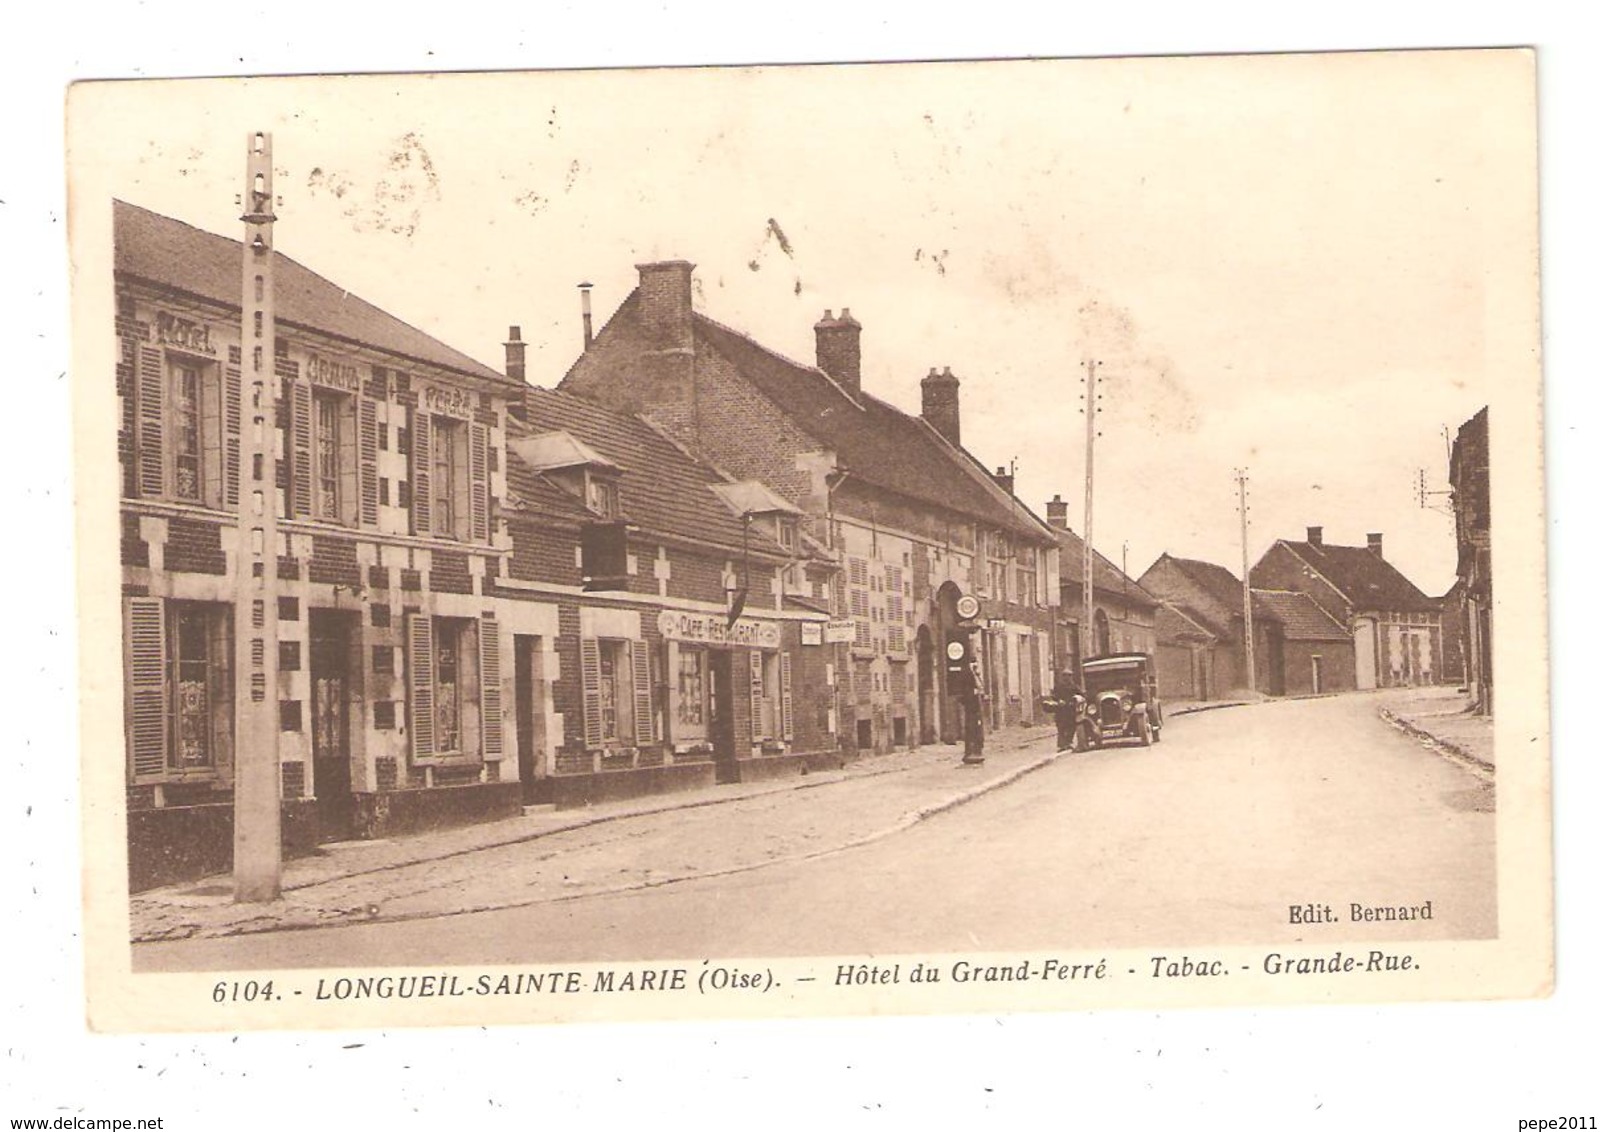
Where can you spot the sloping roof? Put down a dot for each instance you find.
(1301, 617)
(1108, 579)
(1365, 578)
(170, 253)
(746, 496)
(1225, 592)
(1181, 622)
(663, 489)
(875, 442)
(530, 492)
(547, 451)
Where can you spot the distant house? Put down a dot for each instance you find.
(1470, 499)
(1207, 601)
(1394, 626)
(1124, 612)
(1314, 652)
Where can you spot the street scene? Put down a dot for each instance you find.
(1037, 852)
(573, 551)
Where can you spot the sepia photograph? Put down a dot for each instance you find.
(886, 538)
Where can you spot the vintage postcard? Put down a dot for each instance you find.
(728, 542)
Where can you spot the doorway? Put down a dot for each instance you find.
(722, 726)
(329, 663)
(529, 714)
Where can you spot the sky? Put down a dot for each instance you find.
(1281, 263)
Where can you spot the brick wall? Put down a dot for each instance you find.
(543, 554)
(194, 547)
(449, 573)
(334, 562)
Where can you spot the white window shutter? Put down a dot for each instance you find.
(421, 684)
(152, 424)
(591, 678)
(641, 686)
(368, 461)
(786, 697)
(145, 638)
(490, 688)
(756, 693)
(300, 449)
(479, 484)
(420, 473)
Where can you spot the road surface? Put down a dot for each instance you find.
(1211, 837)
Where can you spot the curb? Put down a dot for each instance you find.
(1442, 747)
(907, 821)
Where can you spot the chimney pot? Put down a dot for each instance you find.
(514, 355)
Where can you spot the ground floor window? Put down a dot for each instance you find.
(691, 694)
(616, 688)
(445, 670)
(179, 664)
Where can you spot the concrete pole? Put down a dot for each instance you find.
(257, 849)
(1091, 409)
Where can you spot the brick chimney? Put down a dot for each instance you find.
(1375, 543)
(1314, 536)
(514, 352)
(1006, 479)
(837, 349)
(1056, 510)
(664, 297)
(940, 404)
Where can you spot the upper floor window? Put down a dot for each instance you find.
(327, 450)
(187, 429)
(448, 480)
(787, 533)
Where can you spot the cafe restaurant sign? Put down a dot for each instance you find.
(709, 629)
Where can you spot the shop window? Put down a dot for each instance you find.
(691, 694)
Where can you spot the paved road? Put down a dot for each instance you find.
(1207, 838)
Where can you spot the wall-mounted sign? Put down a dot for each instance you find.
(334, 374)
(445, 401)
(967, 606)
(839, 632)
(710, 629)
(813, 632)
(183, 333)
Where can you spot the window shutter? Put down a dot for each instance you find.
(301, 443)
(490, 688)
(368, 461)
(642, 687)
(231, 435)
(421, 684)
(786, 697)
(152, 465)
(420, 473)
(591, 678)
(756, 693)
(479, 485)
(145, 638)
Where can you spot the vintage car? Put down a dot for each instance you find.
(1122, 700)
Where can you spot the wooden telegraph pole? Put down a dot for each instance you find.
(1242, 475)
(257, 848)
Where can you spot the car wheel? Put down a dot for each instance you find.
(1157, 733)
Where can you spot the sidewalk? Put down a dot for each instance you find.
(1438, 716)
(549, 855)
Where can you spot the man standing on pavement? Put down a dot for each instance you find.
(1066, 700)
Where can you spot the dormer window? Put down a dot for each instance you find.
(602, 496)
(787, 533)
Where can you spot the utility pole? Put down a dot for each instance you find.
(1090, 411)
(1242, 475)
(257, 846)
